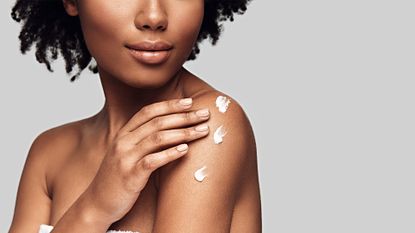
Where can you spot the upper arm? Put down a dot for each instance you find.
(32, 206)
(187, 205)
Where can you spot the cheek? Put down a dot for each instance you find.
(186, 26)
(101, 26)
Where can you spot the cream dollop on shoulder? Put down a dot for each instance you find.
(222, 103)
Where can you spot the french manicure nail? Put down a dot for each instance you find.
(182, 147)
(186, 102)
(202, 127)
(203, 112)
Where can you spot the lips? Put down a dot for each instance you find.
(151, 45)
(150, 52)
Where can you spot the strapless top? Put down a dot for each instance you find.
(44, 228)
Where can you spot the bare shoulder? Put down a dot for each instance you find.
(231, 135)
(211, 175)
(57, 139)
(222, 106)
(49, 146)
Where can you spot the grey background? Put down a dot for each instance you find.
(328, 87)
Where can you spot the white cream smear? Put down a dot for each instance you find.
(219, 134)
(222, 103)
(200, 174)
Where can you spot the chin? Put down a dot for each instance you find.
(148, 78)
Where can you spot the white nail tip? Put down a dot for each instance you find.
(200, 174)
(219, 134)
(222, 103)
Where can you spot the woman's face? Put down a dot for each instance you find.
(115, 32)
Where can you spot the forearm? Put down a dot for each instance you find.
(81, 217)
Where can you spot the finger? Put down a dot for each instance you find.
(153, 161)
(167, 122)
(156, 109)
(162, 139)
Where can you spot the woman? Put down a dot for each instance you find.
(166, 153)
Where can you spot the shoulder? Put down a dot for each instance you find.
(210, 176)
(227, 116)
(56, 138)
(222, 106)
(231, 137)
(49, 146)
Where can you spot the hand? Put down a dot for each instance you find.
(146, 142)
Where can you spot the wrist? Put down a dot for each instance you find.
(82, 217)
(89, 214)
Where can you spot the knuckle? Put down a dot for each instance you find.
(158, 123)
(157, 138)
(146, 111)
(188, 116)
(148, 164)
(187, 133)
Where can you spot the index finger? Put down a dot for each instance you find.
(148, 112)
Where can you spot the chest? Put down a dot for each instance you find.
(71, 177)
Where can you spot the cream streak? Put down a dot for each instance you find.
(200, 174)
(219, 134)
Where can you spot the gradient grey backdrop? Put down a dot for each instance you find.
(327, 85)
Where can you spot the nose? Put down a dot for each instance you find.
(151, 16)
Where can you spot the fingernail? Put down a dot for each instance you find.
(202, 127)
(186, 101)
(182, 147)
(203, 112)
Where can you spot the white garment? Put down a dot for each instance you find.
(44, 228)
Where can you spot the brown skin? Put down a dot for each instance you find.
(118, 169)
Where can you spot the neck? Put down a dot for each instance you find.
(123, 101)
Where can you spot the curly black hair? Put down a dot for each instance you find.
(46, 24)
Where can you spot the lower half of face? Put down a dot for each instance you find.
(110, 28)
